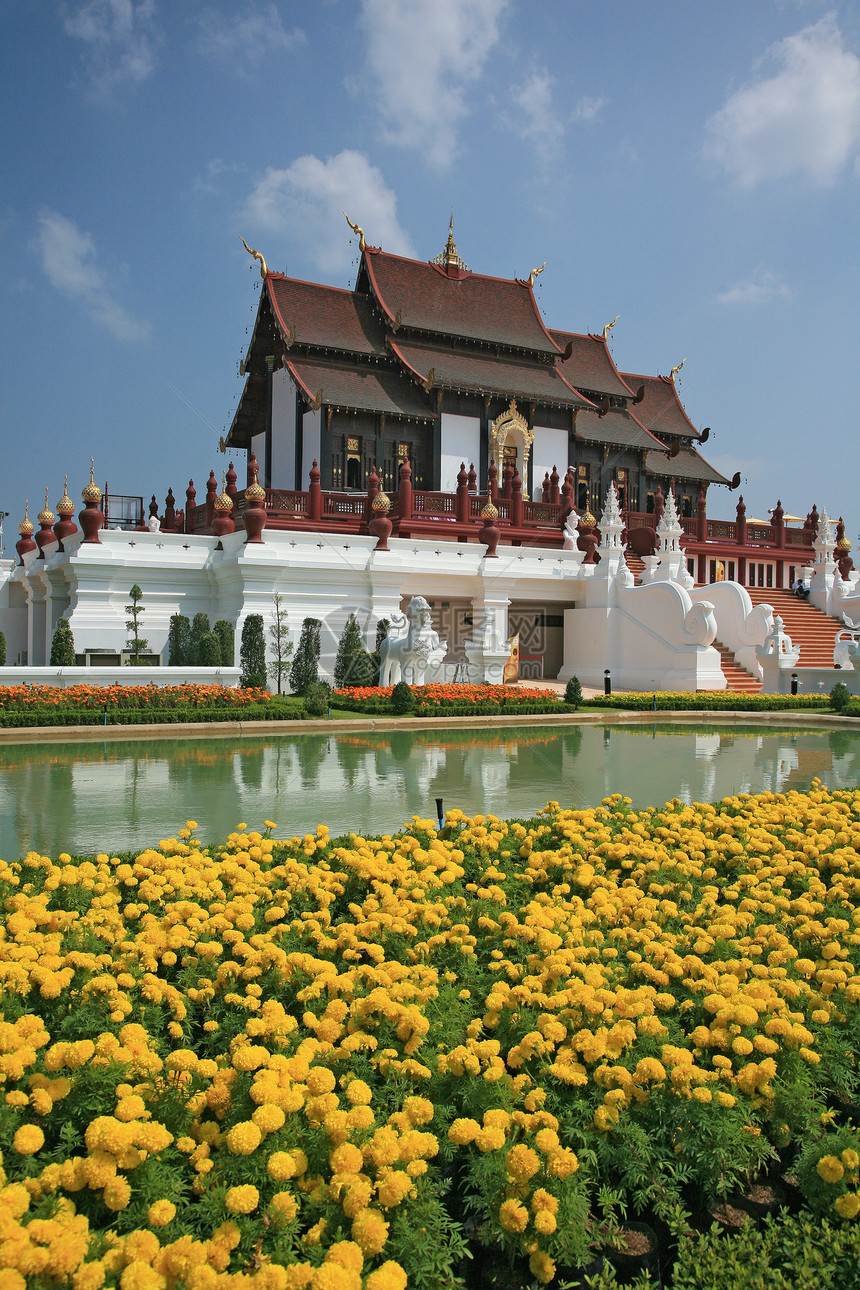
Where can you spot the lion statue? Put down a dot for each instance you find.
(411, 644)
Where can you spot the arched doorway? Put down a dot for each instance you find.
(511, 431)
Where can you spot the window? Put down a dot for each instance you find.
(353, 462)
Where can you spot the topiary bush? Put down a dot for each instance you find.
(199, 628)
(210, 650)
(573, 692)
(305, 669)
(63, 645)
(227, 640)
(179, 641)
(252, 653)
(840, 697)
(2, 650)
(402, 699)
(317, 698)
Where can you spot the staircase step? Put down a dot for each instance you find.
(810, 629)
(737, 677)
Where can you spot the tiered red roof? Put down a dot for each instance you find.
(660, 410)
(473, 370)
(590, 366)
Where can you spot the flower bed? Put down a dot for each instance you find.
(709, 701)
(304, 1061)
(450, 700)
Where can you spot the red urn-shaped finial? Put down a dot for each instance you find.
(91, 517)
(314, 494)
(544, 488)
(168, 524)
(211, 497)
(253, 471)
(741, 508)
(231, 488)
(372, 490)
(473, 478)
(507, 477)
(516, 499)
(223, 523)
(255, 507)
(493, 481)
(190, 506)
(65, 525)
(404, 493)
(489, 532)
(25, 528)
(462, 504)
(46, 536)
(380, 525)
(553, 487)
(588, 539)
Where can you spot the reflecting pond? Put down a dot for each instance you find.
(116, 795)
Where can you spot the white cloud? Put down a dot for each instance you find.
(69, 264)
(421, 58)
(307, 200)
(802, 120)
(587, 109)
(210, 180)
(247, 36)
(760, 289)
(121, 39)
(535, 119)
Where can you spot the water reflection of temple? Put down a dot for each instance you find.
(124, 794)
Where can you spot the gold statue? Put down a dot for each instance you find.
(675, 370)
(608, 328)
(534, 273)
(264, 268)
(359, 232)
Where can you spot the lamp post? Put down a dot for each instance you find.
(607, 682)
(794, 683)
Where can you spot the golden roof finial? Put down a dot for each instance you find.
(358, 231)
(92, 492)
(264, 268)
(46, 515)
(675, 370)
(65, 505)
(608, 328)
(534, 273)
(450, 256)
(25, 528)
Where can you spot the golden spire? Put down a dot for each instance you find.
(534, 273)
(450, 257)
(25, 528)
(92, 492)
(46, 516)
(65, 506)
(223, 502)
(264, 268)
(608, 328)
(675, 370)
(358, 231)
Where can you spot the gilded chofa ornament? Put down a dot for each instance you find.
(46, 516)
(534, 273)
(508, 426)
(25, 528)
(358, 231)
(608, 328)
(264, 268)
(675, 370)
(381, 503)
(92, 492)
(65, 506)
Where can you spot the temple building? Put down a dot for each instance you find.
(430, 362)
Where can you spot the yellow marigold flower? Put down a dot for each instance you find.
(243, 1138)
(282, 1165)
(139, 1275)
(522, 1163)
(160, 1213)
(850, 1159)
(490, 1139)
(284, 1205)
(830, 1169)
(28, 1140)
(848, 1205)
(545, 1222)
(117, 1194)
(269, 1118)
(390, 1276)
(250, 1058)
(543, 1199)
(346, 1254)
(346, 1159)
(463, 1131)
(542, 1266)
(370, 1231)
(130, 1107)
(242, 1200)
(320, 1080)
(513, 1216)
(181, 1059)
(562, 1164)
(358, 1092)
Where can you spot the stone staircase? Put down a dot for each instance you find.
(635, 565)
(807, 626)
(737, 677)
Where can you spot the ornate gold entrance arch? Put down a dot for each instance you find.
(512, 425)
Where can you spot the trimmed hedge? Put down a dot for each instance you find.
(35, 717)
(711, 701)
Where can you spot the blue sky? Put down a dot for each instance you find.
(694, 168)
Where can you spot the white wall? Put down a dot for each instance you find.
(311, 429)
(461, 441)
(284, 433)
(549, 449)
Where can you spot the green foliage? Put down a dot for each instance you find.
(840, 697)
(354, 666)
(252, 653)
(785, 1253)
(227, 640)
(179, 641)
(828, 1168)
(710, 701)
(282, 646)
(573, 692)
(305, 669)
(402, 699)
(135, 644)
(2, 649)
(210, 650)
(317, 698)
(381, 632)
(63, 645)
(199, 628)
